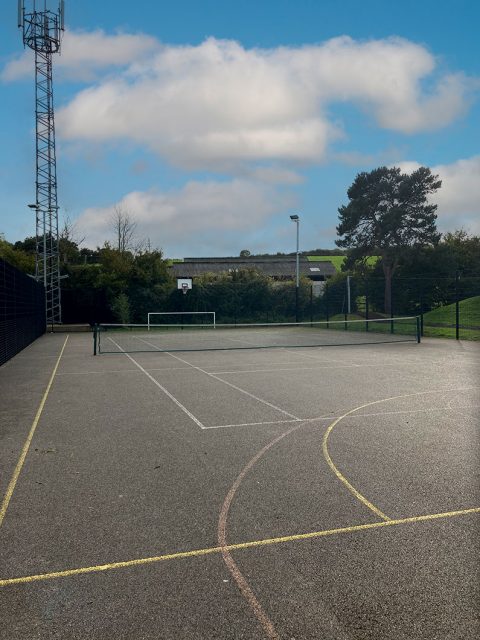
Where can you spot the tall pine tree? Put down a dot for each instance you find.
(388, 211)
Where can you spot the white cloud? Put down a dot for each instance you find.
(194, 219)
(458, 199)
(218, 105)
(83, 54)
(276, 175)
(353, 158)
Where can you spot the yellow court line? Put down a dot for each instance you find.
(338, 473)
(26, 446)
(232, 547)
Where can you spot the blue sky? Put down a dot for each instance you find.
(211, 122)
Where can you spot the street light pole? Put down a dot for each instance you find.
(296, 219)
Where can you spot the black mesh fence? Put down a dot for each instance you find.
(22, 311)
(241, 302)
(447, 307)
(263, 301)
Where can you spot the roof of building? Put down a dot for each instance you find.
(273, 266)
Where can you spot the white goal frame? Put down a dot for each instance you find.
(177, 313)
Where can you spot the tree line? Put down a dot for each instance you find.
(388, 215)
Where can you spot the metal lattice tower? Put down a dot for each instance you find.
(42, 30)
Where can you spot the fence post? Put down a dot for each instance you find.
(183, 303)
(349, 303)
(366, 305)
(326, 305)
(420, 295)
(391, 306)
(457, 307)
(311, 303)
(235, 305)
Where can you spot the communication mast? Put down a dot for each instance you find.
(42, 31)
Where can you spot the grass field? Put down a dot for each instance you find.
(469, 312)
(440, 322)
(338, 261)
(400, 327)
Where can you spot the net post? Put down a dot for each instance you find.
(95, 339)
(327, 311)
(419, 332)
(421, 305)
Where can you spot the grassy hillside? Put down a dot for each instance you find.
(469, 313)
(441, 321)
(338, 261)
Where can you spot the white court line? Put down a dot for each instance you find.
(165, 391)
(253, 364)
(432, 409)
(229, 384)
(169, 369)
(309, 355)
(22, 356)
(353, 416)
(328, 367)
(89, 373)
(254, 424)
(234, 386)
(255, 344)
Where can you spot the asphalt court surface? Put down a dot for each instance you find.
(286, 493)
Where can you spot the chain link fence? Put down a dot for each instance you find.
(447, 307)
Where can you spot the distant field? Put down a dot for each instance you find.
(338, 261)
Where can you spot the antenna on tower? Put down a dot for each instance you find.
(41, 31)
(21, 11)
(61, 14)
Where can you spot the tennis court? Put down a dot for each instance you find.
(296, 492)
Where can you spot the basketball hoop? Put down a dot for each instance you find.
(184, 284)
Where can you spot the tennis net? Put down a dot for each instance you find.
(135, 338)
